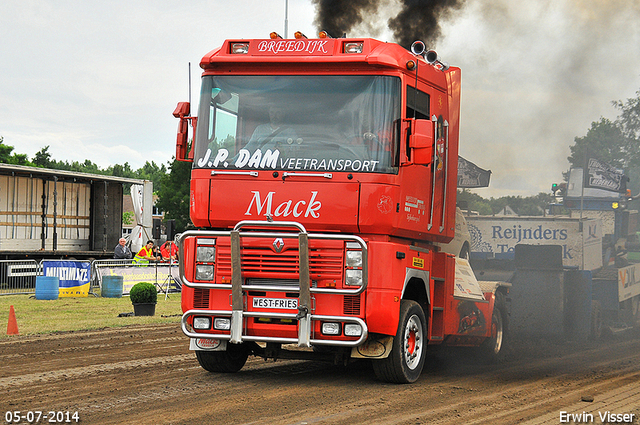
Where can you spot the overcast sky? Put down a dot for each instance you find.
(99, 80)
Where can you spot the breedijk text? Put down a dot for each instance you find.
(310, 46)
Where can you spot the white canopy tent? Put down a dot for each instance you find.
(142, 198)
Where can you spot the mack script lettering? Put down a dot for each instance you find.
(284, 209)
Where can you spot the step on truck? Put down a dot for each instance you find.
(324, 173)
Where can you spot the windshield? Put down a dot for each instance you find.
(298, 123)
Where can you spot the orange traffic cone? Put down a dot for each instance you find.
(12, 326)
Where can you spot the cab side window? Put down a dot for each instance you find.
(417, 104)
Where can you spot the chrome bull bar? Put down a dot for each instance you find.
(290, 316)
(304, 316)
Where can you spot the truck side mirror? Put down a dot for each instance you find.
(182, 112)
(421, 141)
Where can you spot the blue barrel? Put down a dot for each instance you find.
(112, 286)
(47, 287)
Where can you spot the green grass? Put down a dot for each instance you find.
(72, 314)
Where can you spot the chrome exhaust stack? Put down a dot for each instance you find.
(431, 56)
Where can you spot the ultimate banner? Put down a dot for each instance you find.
(75, 276)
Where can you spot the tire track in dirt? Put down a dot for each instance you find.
(147, 375)
(623, 399)
(70, 373)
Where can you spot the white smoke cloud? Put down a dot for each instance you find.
(535, 75)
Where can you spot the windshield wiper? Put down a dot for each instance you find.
(248, 173)
(325, 175)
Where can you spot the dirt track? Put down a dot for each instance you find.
(147, 375)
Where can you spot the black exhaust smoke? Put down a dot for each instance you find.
(417, 20)
(337, 17)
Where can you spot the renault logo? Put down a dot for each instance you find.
(278, 244)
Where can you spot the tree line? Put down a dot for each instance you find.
(615, 142)
(170, 181)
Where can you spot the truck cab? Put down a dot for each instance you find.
(324, 174)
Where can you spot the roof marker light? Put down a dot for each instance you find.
(274, 36)
(353, 47)
(299, 35)
(239, 48)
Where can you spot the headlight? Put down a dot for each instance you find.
(353, 278)
(206, 254)
(330, 328)
(204, 272)
(352, 329)
(222, 323)
(354, 259)
(201, 322)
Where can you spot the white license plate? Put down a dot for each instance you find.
(281, 303)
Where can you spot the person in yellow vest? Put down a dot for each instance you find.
(145, 254)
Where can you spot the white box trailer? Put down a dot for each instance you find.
(496, 237)
(48, 213)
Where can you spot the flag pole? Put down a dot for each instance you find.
(582, 193)
(286, 18)
(581, 208)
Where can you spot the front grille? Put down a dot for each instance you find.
(258, 259)
(276, 282)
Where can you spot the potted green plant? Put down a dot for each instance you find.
(144, 297)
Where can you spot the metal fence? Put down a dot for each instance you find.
(96, 277)
(19, 277)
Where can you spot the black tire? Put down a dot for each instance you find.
(492, 350)
(229, 361)
(406, 360)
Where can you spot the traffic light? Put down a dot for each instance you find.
(559, 189)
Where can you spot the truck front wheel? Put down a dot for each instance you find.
(228, 361)
(407, 357)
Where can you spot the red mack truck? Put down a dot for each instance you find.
(324, 172)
